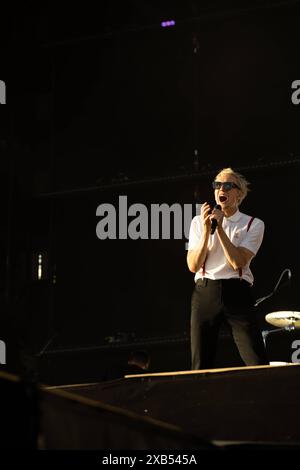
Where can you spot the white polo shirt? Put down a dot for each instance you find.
(235, 227)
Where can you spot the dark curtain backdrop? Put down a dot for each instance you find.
(136, 101)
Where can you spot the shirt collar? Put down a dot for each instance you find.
(235, 217)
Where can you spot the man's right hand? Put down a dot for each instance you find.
(205, 213)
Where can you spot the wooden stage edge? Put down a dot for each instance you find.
(209, 371)
(176, 373)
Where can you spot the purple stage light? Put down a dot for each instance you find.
(166, 24)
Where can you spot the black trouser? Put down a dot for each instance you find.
(230, 300)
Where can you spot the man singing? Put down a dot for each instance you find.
(222, 243)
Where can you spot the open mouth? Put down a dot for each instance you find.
(223, 198)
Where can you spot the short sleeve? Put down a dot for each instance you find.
(254, 236)
(195, 233)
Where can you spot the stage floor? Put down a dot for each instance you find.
(231, 405)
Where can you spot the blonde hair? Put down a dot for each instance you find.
(242, 183)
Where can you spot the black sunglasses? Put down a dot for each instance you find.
(227, 186)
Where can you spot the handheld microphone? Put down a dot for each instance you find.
(214, 223)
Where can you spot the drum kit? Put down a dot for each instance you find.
(286, 320)
(283, 320)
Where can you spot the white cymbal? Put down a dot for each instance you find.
(284, 318)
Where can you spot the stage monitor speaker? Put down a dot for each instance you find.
(19, 413)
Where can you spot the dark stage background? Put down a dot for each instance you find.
(109, 103)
